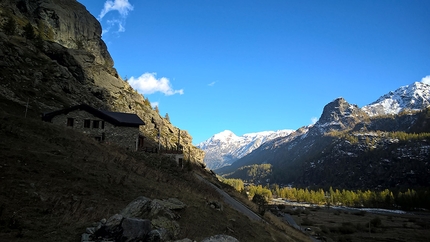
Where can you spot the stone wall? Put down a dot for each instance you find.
(124, 136)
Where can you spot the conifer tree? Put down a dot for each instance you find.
(147, 102)
(38, 41)
(29, 31)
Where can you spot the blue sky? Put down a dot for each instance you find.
(251, 66)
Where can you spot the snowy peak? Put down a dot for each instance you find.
(411, 97)
(225, 147)
(225, 135)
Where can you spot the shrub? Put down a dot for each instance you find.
(376, 222)
(360, 213)
(360, 227)
(307, 222)
(10, 26)
(324, 229)
(347, 228)
(29, 31)
(345, 238)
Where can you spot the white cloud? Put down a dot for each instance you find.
(155, 104)
(426, 80)
(314, 120)
(123, 7)
(211, 84)
(148, 84)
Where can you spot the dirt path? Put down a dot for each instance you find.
(233, 202)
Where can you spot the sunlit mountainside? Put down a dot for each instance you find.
(382, 145)
(225, 148)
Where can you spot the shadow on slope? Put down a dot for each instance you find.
(55, 182)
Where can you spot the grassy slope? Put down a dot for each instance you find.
(55, 182)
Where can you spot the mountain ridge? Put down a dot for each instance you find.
(226, 147)
(344, 132)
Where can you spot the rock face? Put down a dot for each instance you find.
(71, 66)
(339, 115)
(65, 22)
(220, 238)
(145, 220)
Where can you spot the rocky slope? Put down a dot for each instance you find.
(225, 148)
(351, 148)
(411, 97)
(70, 66)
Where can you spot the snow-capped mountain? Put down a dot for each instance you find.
(410, 97)
(224, 148)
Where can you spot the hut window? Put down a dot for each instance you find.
(70, 122)
(96, 124)
(87, 123)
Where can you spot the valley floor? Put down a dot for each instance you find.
(349, 224)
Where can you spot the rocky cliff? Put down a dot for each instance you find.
(67, 64)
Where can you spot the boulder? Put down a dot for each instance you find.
(171, 226)
(216, 205)
(185, 240)
(137, 208)
(158, 208)
(220, 238)
(135, 229)
(158, 235)
(174, 204)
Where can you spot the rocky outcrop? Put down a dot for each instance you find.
(145, 220)
(72, 66)
(65, 22)
(142, 219)
(220, 238)
(339, 115)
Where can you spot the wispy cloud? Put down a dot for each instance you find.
(426, 80)
(314, 120)
(148, 84)
(212, 84)
(155, 104)
(123, 7)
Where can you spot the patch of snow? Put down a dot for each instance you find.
(226, 147)
(410, 97)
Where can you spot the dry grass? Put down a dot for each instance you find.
(55, 182)
(339, 225)
(271, 220)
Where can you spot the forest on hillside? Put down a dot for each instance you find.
(409, 199)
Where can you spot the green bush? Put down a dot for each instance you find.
(307, 222)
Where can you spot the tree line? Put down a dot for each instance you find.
(407, 200)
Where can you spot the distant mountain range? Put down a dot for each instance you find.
(224, 148)
(349, 146)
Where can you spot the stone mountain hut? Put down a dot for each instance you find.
(114, 127)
